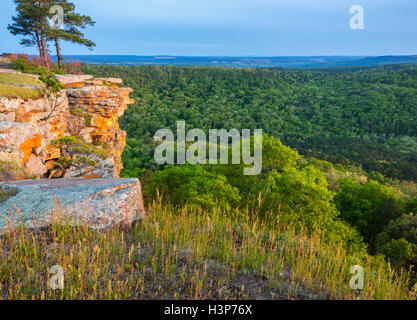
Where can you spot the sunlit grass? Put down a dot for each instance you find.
(13, 91)
(191, 255)
(10, 78)
(16, 85)
(12, 171)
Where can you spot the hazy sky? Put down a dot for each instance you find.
(238, 27)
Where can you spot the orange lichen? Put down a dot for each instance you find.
(91, 175)
(27, 146)
(89, 111)
(74, 85)
(52, 152)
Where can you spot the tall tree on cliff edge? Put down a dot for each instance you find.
(73, 22)
(32, 22)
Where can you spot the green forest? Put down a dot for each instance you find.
(339, 147)
(365, 117)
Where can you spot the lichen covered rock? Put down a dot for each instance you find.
(74, 133)
(101, 203)
(100, 107)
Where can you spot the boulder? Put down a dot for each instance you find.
(101, 203)
(35, 167)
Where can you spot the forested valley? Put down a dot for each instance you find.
(339, 150)
(365, 117)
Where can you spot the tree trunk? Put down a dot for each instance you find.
(44, 51)
(58, 53)
(38, 43)
(43, 42)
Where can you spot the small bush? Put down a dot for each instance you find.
(77, 146)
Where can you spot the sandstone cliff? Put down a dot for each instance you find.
(72, 134)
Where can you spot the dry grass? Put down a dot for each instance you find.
(191, 255)
(11, 171)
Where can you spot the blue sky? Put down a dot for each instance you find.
(238, 27)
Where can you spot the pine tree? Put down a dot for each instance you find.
(73, 22)
(31, 23)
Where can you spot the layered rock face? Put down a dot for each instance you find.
(74, 133)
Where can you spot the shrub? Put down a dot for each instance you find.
(400, 252)
(297, 195)
(52, 83)
(192, 185)
(77, 146)
(368, 207)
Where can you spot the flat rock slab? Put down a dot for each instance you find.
(71, 78)
(101, 203)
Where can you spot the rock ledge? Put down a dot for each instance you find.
(101, 203)
(72, 134)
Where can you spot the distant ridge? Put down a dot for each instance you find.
(247, 62)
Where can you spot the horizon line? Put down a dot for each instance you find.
(235, 56)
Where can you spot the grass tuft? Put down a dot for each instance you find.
(78, 146)
(12, 171)
(22, 86)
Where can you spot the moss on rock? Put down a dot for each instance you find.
(6, 192)
(77, 146)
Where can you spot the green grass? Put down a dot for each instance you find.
(80, 113)
(76, 145)
(6, 193)
(8, 78)
(11, 86)
(191, 255)
(12, 91)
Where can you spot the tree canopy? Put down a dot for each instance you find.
(32, 23)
